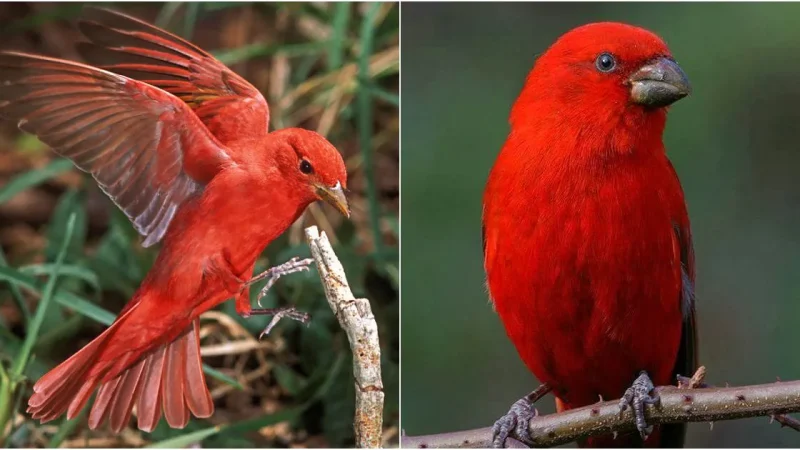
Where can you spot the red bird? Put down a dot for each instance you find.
(586, 238)
(186, 155)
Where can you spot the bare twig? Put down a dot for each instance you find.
(786, 421)
(355, 317)
(234, 347)
(698, 381)
(677, 405)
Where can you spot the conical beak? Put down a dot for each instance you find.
(335, 197)
(659, 83)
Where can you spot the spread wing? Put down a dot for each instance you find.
(224, 101)
(145, 148)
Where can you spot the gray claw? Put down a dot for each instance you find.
(637, 396)
(517, 421)
(290, 313)
(274, 273)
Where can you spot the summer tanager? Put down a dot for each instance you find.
(185, 153)
(586, 238)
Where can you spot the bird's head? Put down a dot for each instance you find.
(609, 71)
(312, 165)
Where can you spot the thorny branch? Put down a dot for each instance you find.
(356, 318)
(693, 401)
(698, 381)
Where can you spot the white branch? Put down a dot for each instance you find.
(356, 318)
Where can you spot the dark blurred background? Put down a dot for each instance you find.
(734, 143)
(328, 67)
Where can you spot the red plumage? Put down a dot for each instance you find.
(587, 246)
(182, 147)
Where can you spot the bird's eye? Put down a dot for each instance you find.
(605, 62)
(305, 167)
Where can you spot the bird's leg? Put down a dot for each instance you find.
(278, 314)
(218, 266)
(242, 302)
(637, 396)
(515, 422)
(242, 299)
(272, 274)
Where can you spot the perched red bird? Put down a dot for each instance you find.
(196, 170)
(586, 238)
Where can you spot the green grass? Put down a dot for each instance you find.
(10, 380)
(64, 291)
(35, 177)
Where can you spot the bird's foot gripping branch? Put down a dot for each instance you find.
(639, 395)
(518, 417)
(356, 318)
(691, 401)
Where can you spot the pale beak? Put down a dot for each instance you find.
(335, 197)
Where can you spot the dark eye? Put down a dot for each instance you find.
(605, 62)
(305, 167)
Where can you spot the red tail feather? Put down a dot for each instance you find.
(171, 375)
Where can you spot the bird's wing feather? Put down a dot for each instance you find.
(686, 361)
(144, 147)
(131, 47)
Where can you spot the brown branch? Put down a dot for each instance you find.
(786, 421)
(356, 318)
(698, 381)
(677, 405)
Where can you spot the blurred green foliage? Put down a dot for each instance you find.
(734, 144)
(83, 276)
